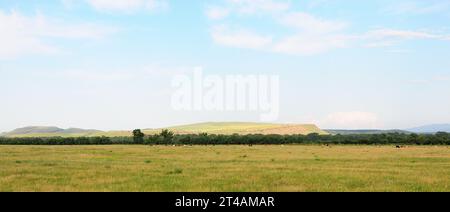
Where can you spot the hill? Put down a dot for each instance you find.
(433, 128)
(225, 128)
(42, 131)
(353, 132)
(243, 128)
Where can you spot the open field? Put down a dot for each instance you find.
(224, 168)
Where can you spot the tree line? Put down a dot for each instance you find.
(167, 137)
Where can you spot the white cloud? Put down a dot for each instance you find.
(103, 74)
(301, 33)
(21, 35)
(215, 13)
(310, 34)
(317, 3)
(96, 76)
(418, 7)
(246, 7)
(314, 35)
(379, 44)
(15, 38)
(128, 5)
(390, 37)
(308, 23)
(400, 34)
(304, 44)
(68, 3)
(239, 38)
(351, 120)
(258, 6)
(399, 51)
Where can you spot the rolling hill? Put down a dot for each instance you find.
(41, 131)
(433, 128)
(369, 132)
(225, 128)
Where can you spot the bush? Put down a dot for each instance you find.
(169, 138)
(138, 136)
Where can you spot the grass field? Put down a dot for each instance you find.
(224, 168)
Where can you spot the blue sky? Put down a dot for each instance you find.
(108, 64)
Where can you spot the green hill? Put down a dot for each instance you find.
(225, 128)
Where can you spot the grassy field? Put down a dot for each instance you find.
(224, 168)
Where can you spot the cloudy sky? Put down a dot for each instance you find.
(108, 64)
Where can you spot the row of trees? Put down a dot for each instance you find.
(64, 141)
(167, 137)
(360, 139)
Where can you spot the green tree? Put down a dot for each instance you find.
(138, 136)
(166, 135)
(413, 138)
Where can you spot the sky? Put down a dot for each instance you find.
(108, 64)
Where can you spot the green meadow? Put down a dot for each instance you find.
(224, 168)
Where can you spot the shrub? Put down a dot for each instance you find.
(169, 138)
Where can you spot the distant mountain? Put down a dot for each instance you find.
(353, 132)
(36, 129)
(78, 130)
(433, 128)
(41, 131)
